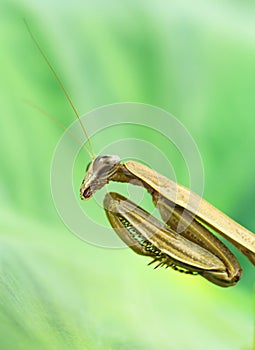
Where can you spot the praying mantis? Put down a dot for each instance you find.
(182, 240)
(194, 250)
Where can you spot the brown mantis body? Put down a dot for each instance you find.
(195, 249)
(182, 241)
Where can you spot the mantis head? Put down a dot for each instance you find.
(98, 174)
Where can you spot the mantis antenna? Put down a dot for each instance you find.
(90, 153)
(57, 122)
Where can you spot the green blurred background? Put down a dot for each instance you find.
(195, 60)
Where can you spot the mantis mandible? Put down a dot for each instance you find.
(193, 249)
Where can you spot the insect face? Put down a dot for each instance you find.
(98, 174)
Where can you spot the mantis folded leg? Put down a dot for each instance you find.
(196, 251)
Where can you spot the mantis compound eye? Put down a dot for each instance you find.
(87, 168)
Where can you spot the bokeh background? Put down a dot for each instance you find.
(193, 59)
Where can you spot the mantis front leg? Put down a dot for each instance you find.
(195, 252)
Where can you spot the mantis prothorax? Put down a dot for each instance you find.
(194, 249)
